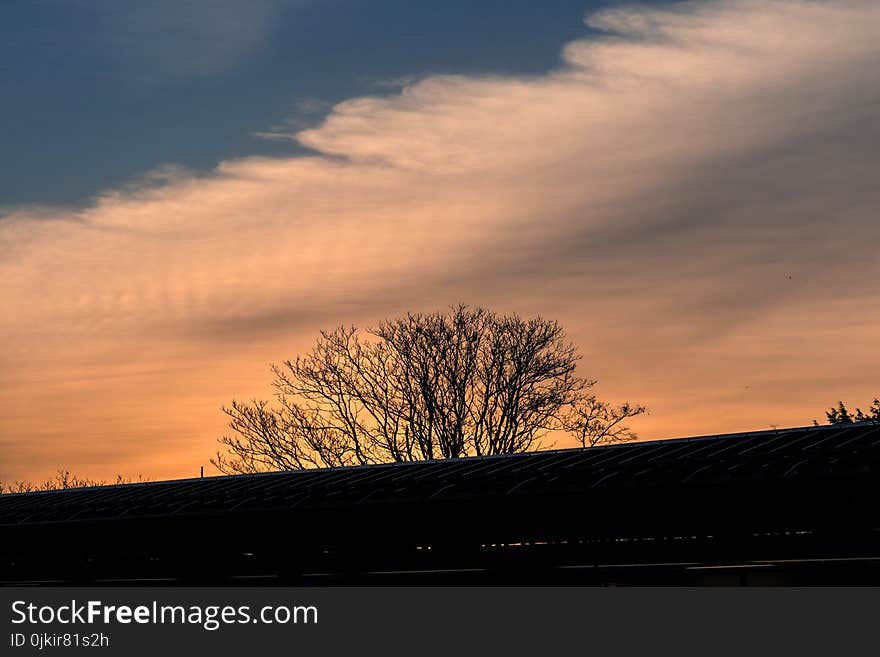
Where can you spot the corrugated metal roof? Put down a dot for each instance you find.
(808, 453)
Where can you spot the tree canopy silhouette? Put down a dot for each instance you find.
(840, 414)
(421, 387)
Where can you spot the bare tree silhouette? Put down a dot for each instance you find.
(421, 387)
(63, 479)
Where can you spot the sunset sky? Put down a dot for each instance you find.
(190, 190)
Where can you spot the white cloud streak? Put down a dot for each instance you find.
(179, 39)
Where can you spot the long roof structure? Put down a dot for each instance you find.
(703, 500)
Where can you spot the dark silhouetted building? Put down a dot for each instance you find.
(795, 506)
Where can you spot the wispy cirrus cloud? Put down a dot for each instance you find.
(692, 194)
(179, 39)
(307, 113)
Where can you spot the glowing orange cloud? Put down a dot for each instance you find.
(693, 196)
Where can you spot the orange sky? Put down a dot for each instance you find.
(695, 200)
